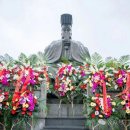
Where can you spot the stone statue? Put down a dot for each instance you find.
(66, 47)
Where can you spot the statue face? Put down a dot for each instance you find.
(66, 32)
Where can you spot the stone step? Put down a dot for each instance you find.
(65, 121)
(64, 128)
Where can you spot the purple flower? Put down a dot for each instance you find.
(83, 74)
(23, 79)
(120, 81)
(63, 86)
(32, 81)
(31, 107)
(5, 81)
(22, 100)
(94, 87)
(62, 94)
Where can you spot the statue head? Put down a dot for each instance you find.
(66, 25)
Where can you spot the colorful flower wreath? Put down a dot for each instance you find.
(24, 103)
(96, 77)
(4, 76)
(97, 107)
(65, 80)
(4, 101)
(124, 97)
(120, 78)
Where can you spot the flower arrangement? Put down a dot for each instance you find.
(24, 104)
(120, 78)
(97, 107)
(124, 98)
(125, 103)
(97, 76)
(4, 101)
(66, 79)
(4, 76)
(35, 77)
(83, 73)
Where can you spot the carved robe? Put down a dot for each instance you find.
(77, 51)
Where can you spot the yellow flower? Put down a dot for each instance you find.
(123, 102)
(128, 111)
(113, 103)
(90, 84)
(16, 99)
(14, 108)
(106, 74)
(93, 104)
(120, 76)
(7, 103)
(124, 80)
(101, 116)
(25, 105)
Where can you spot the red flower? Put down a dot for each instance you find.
(97, 94)
(29, 113)
(6, 93)
(97, 108)
(120, 85)
(13, 112)
(97, 101)
(24, 109)
(83, 86)
(92, 115)
(35, 100)
(56, 87)
(23, 112)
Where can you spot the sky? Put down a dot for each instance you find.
(29, 26)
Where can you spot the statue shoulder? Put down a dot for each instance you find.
(53, 44)
(80, 48)
(78, 43)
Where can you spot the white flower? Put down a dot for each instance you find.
(2, 98)
(93, 104)
(40, 79)
(113, 103)
(93, 98)
(85, 81)
(108, 84)
(7, 75)
(128, 111)
(123, 102)
(15, 77)
(96, 112)
(115, 86)
(101, 102)
(26, 72)
(113, 109)
(35, 97)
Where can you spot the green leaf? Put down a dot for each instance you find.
(97, 60)
(124, 60)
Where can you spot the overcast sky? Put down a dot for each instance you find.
(28, 26)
